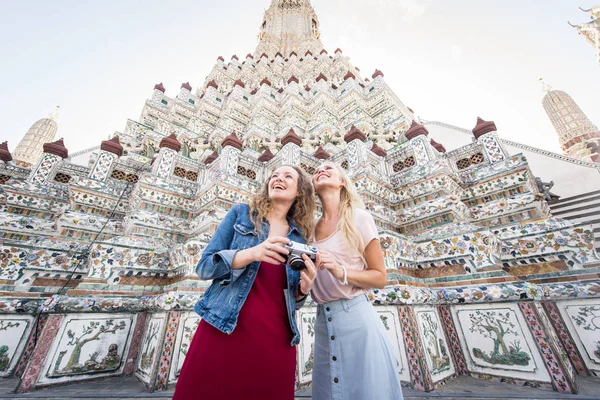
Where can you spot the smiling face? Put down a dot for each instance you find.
(283, 185)
(327, 176)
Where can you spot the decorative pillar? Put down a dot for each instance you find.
(565, 338)
(134, 347)
(417, 135)
(110, 151)
(158, 94)
(212, 90)
(165, 162)
(185, 92)
(485, 133)
(419, 373)
(34, 368)
(562, 380)
(357, 149)
(53, 154)
(239, 90)
(31, 345)
(166, 355)
(460, 364)
(290, 152)
(230, 155)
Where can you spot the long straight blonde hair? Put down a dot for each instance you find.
(349, 201)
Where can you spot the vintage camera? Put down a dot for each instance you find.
(294, 259)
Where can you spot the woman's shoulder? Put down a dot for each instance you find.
(240, 210)
(360, 214)
(240, 207)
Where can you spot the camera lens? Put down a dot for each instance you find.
(296, 263)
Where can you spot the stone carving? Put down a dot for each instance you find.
(90, 333)
(306, 321)
(587, 325)
(435, 345)
(85, 347)
(497, 327)
(310, 325)
(544, 189)
(4, 354)
(185, 334)
(149, 350)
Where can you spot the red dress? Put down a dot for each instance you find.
(256, 361)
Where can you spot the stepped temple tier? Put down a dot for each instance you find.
(490, 245)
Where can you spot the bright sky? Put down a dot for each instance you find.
(450, 61)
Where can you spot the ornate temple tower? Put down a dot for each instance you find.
(578, 137)
(30, 148)
(289, 25)
(591, 30)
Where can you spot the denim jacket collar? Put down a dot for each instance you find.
(293, 227)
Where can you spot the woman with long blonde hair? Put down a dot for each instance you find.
(353, 359)
(244, 347)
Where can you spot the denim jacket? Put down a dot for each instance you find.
(222, 301)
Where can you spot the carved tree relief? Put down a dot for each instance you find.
(495, 326)
(92, 333)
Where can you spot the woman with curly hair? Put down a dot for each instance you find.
(244, 347)
(353, 359)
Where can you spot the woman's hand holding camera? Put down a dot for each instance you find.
(271, 250)
(308, 275)
(329, 263)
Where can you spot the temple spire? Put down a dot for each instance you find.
(591, 30)
(289, 26)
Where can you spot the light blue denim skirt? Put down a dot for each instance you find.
(353, 358)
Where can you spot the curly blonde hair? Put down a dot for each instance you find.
(302, 211)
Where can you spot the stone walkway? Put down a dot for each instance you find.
(459, 388)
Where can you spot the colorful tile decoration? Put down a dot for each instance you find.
(565, 337)
(31, 344)
(552, 361)
(88, 346)
(44, 169)
(492, 146)
(420, 376)
(14, 332)
(166, 355)
(150, 348)
(581, 318)
(452, 340)
(34, 368)
(103, 166)
(138, 335)
(561, 353)
(437, 354)
(165, 162)
(185, 334)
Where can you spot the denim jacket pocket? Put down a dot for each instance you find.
(244, 236)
